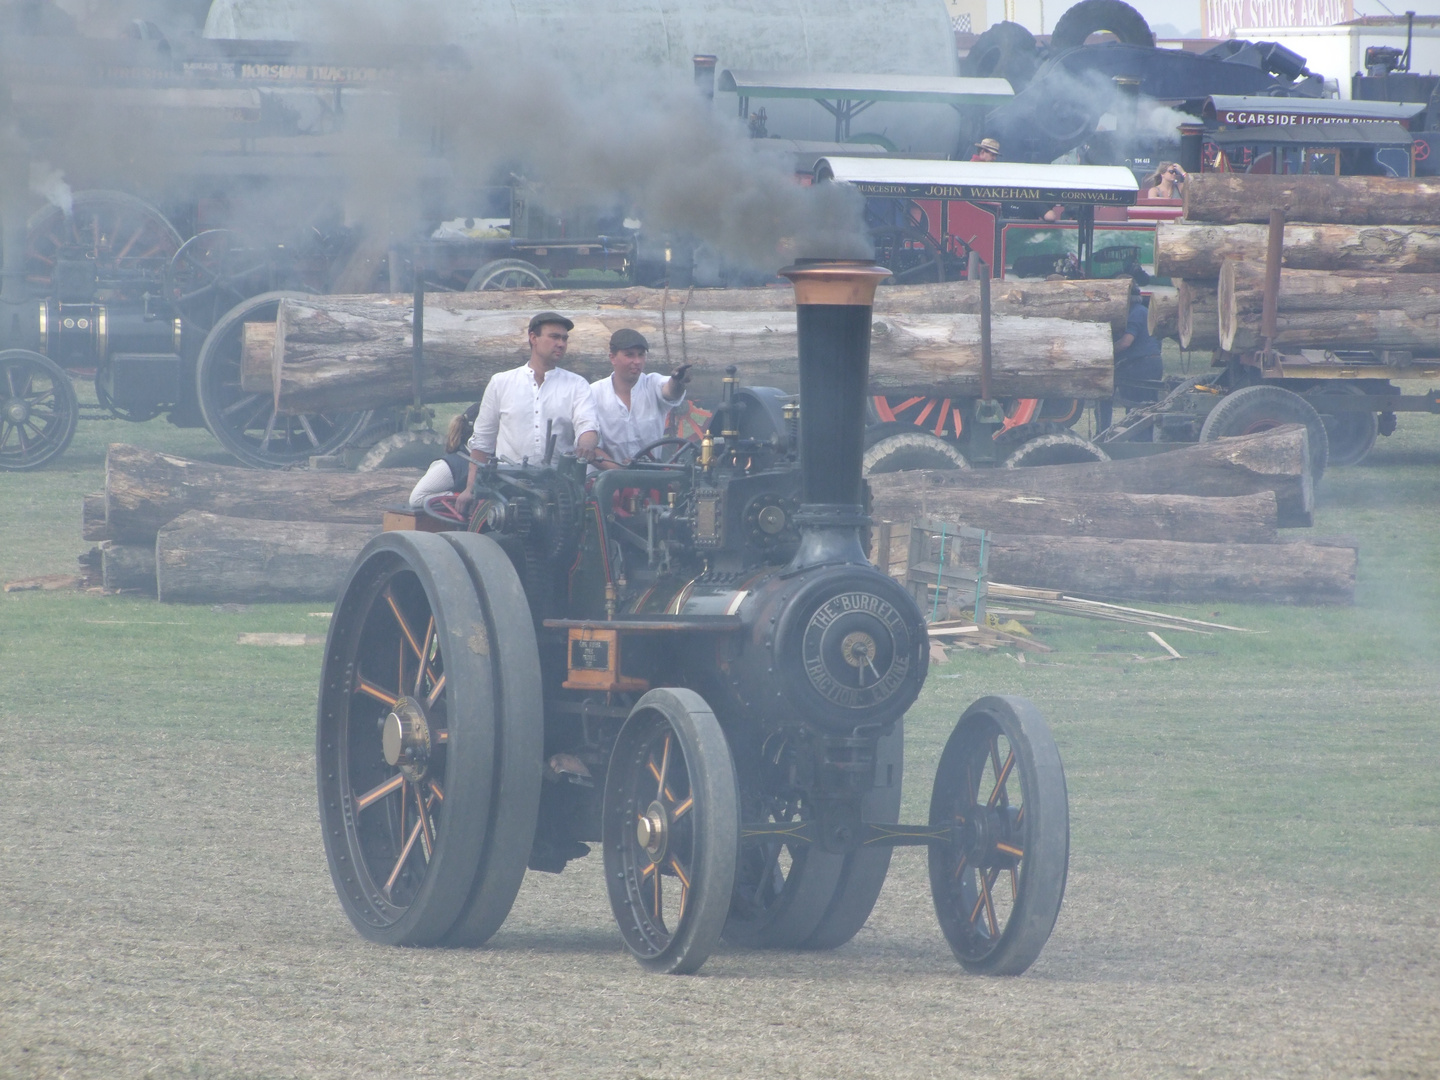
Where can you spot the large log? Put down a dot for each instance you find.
(1230, 198)
(1165, 313)
(205, 558)
(1197, 251)
(1175, 572)
(1316, 309)
(92, 517)
(1277, 460)
(128, 566)
(1241, 519)
(145, 489)
(346, 353)
(1198, 316)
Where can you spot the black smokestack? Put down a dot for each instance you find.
(705, 75)
(833, 299)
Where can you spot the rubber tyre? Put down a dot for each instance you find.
(708, 839)
(405, 450)
(399, 581)
(1039, 828)
(514, 273)
(514, 660)
(54, 412)
(1352, 435)
(1058, 448)
(1260, 408)
(1091, 16)
(231, 413)
(863, 875)
(912, 450)
(1006, 51)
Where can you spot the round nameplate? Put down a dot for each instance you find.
(856, 650)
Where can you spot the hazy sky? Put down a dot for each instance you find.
(1184, 15)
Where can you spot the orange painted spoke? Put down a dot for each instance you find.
(404, 626)
(378, 792)
(400, 862)
(679, 871)
(664, 767)
(1008, 850)
(1014, 887)
(442, 735)
(378, 693)
(404, 804)
(424, 668)
(1020, 815)
(960, 869)
(1002, 774)
(986, 880)
(649, 869)
(979, 902)
(682, 809)
(426, 840)
(436, 792)
(656, 910)
(684, 886)
(436, 690)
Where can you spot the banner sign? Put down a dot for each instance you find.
(1221, 18)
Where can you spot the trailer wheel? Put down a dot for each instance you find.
(1048, 446)
(211, 273)
(1260, 408)
(1005, 51)
(671, 831)
(38, 410)
(863, 874)
(404, 450)
(508, 274)
(406, 739)
(246, 422)
(912, 450)
(1352, 433)
(514, 661)
(1092, 16)
(998, 885)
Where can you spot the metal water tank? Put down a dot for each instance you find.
(601, 41)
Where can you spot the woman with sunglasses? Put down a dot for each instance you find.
(1165, 181)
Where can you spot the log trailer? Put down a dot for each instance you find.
(692, 664)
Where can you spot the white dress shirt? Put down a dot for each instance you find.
(623, 431)
(516, 411)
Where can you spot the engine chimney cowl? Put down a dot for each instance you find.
(833, 298)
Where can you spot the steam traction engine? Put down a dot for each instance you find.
(693, 665)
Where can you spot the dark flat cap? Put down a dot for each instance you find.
(550, 317)
(628, 339)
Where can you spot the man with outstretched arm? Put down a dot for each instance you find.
(632, 404)
(523, 407)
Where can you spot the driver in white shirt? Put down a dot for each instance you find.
(632, 404)
(524, 406)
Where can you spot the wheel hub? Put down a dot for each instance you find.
(17, 410)
(652, 830)
(405, 738)
(990, 837)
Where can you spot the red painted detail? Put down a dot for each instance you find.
(929, 405)
(940, 423)
(882, 409)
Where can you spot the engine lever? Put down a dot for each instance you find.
(550, 439)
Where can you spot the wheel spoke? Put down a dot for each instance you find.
(681, 810)
(404, 626)
(424, 668)
(436, 792)
(236, 406)
(269, 432)
(379, 693)
(427, 842)
(684, 885)
(664, 768)
(305, 423)
(436, 690)
(379, 791)
(400, 862)
(986, 881)
(1002, 773)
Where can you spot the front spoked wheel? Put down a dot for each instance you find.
(998, 886)
(671, 831)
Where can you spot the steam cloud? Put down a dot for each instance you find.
(640, 142)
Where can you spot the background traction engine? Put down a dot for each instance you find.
(693, 665)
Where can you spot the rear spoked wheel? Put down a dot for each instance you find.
(407, 752)
(671, 831)
(997, 889)
(38, 410)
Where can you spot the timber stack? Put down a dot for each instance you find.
(1360, 263)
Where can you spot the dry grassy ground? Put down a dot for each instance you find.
(1253, 892)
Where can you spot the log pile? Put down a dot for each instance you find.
(355, 352)
(194, 532)
(1197, 524)
(1360, 263)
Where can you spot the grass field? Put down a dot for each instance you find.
(1254, 876)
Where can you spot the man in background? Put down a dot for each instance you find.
(1138, 366)
(632, 404)
(986, 150)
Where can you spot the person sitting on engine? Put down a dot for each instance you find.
(632, 404)
(524, 407)
(449, 473)
(1164, 182)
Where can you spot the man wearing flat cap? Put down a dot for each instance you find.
(632, 404)
(523, 407)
